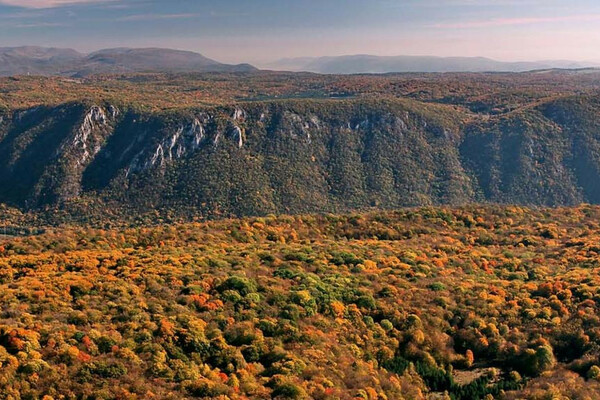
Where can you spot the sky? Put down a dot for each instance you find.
(258, 31)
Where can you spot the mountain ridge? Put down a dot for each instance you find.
(297, 157)
(220, 145)
(68, 62)
(365, 63)
(53, 61)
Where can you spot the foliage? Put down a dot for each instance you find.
(307, 307)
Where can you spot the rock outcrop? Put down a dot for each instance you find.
(296, 157)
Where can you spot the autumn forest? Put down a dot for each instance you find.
(264, 235)
(441, 303)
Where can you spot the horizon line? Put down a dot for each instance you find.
(89, 52)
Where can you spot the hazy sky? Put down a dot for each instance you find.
(260, 30)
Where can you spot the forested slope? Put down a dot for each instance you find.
(298, 156)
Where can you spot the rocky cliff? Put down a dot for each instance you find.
(298, 156)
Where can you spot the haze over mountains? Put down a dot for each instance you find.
(32, 60)
(357, 64)
(66, 62)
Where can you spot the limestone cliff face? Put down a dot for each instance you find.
(307, 156)
(186, 139)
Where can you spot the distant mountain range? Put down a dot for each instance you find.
(358, 64)
(34, 60)
(66, 62)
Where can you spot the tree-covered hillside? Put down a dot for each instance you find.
(297, 156)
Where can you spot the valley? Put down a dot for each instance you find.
(298, 236)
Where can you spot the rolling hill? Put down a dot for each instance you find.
(36, 60)
(66, 62)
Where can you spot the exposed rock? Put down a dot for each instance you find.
(401, 124)
(300, 127)
(364, 124)
(238, 135)
(185, 140)
(239, 115)
(114, 111)
(315, 121)
(216, 139)
(96, 117)
(195, 133)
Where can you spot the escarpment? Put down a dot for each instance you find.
(297, 156)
